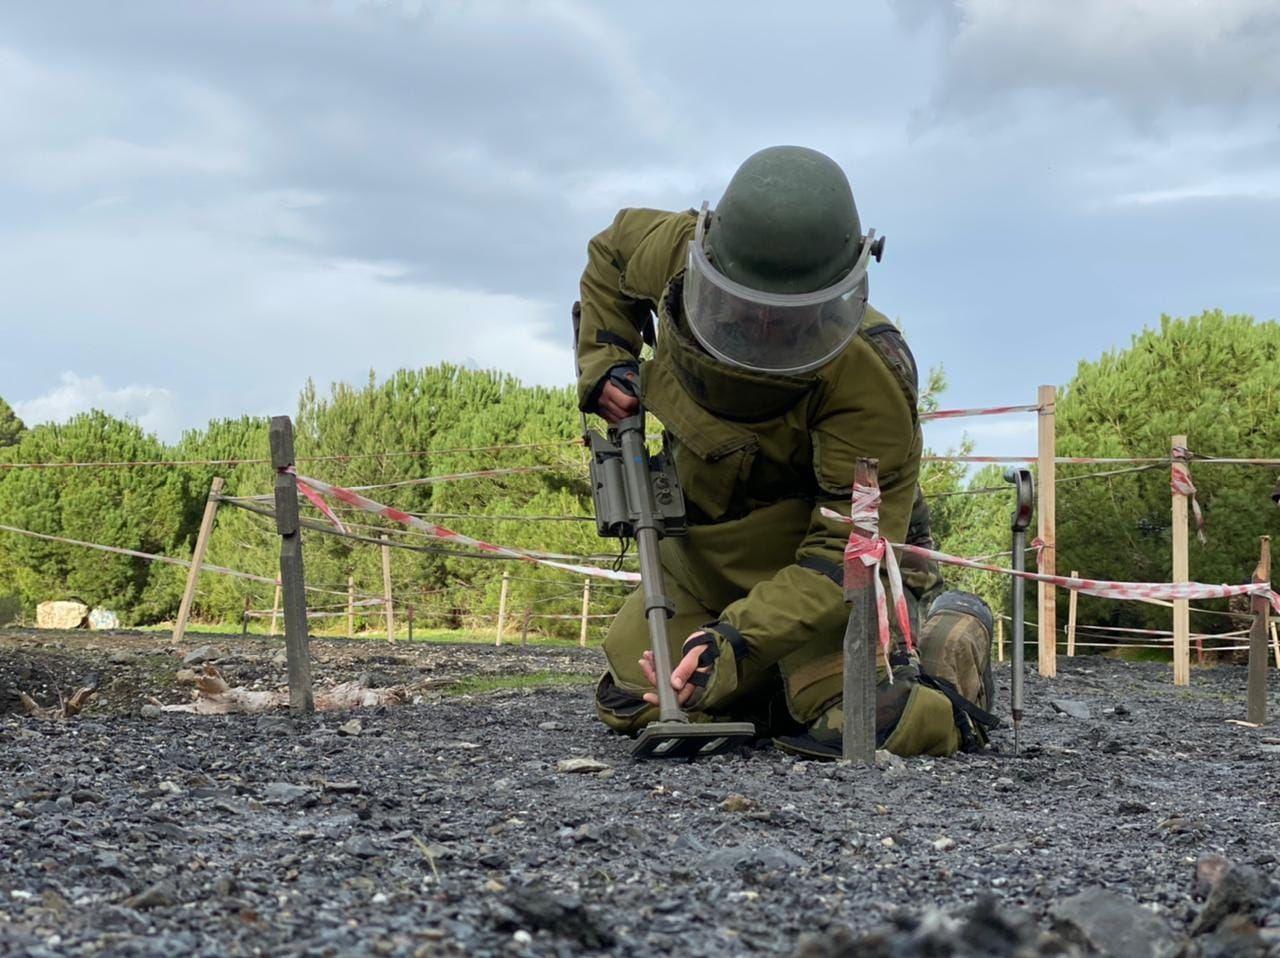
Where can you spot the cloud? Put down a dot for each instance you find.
(1145, 58)
(151, 407)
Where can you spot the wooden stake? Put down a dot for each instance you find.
(351, 607)
(1181, 608)
(386, 589)
(1048, 531)
(244, 618)
(197, 558)
(1257, 699)
(502, 605)
(296, 639)
(1071, 619)
(524, 628)
(860, 635)
(586, 608)
(999, 640)
(275, 609)
(410, 623)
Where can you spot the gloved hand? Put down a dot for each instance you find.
(618, 393)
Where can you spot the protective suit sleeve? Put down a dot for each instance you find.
(628, 268)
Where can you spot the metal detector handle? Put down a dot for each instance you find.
(648, 526)
(1024, 494)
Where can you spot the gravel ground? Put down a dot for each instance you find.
(452, 827)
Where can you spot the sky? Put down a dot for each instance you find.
(207, 203)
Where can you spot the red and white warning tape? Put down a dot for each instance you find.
(1140, 591)
(872, 550)
(316, 486)
(988, 411)
(1181, 484)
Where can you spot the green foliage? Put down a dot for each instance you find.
(11, 427)
(1212, 377)
(140, 508)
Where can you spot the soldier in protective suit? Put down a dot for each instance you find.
(771, 375)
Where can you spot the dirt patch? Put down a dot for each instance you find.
(450, 828)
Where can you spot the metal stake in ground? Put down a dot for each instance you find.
(1024, 489)
(292, 582)
(1257, 695)
(859, 701)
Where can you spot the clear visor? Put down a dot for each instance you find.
(785, 333)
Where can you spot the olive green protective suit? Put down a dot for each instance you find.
(758, 456)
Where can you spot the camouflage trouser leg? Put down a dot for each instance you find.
(619, 701)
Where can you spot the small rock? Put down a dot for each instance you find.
(361, 846)
(351, 728)
(1209, 869)
(737, 803)
(550, 726)
(150, 711)
(888, 841)
(581, 764)
(768, 857)
(342, 788)
(160, 895)
(121, 657)
(185, 677)
(1071, 708)
(944, 844)
(1115, 926)
(284, 793)
(103, 619)
(886, 759)
(205, 653)
(1239, 890)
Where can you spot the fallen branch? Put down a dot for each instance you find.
(214, 696)
(65, 709)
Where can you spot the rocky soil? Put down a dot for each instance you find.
(1136, 820)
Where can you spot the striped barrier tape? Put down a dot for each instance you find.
(1180, 483)
(873, 550)
(988, 411)
(1139, 591)
(440, 532)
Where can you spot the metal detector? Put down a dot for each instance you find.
(638, 496)
(1025, 495)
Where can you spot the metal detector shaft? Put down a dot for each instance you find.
(1024, 489)
(657, 607)
(1019, 629)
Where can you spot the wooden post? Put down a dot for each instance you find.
(1181, 608)
(296, 641)
(275, 609)
(586, 608)
(999, 640)
(860, 634)
(1258, 639)
(351, 607)
(1071, 618)
(1047, 450)
(524, 628)
(197, 558)
(502, 605)
(244, 618)
(410, 623)
(386, 588)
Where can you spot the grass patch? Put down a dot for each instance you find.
(478, 684)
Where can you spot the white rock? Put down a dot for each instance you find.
(581, 764)
(60, 615)
(944, 844)
(103, 619)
